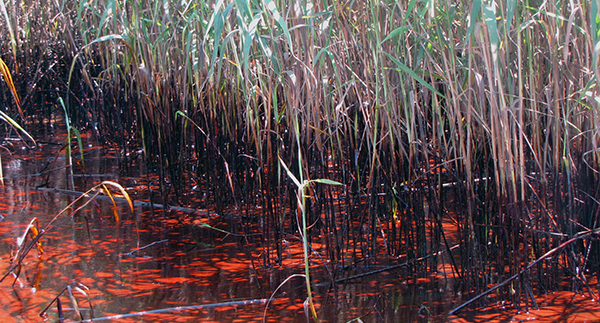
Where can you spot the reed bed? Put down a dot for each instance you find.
(482, 112)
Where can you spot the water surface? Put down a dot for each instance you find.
(171, 266)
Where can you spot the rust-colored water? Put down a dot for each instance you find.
(188, 266)
(186, 272)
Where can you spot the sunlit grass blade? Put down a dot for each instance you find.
(70, 295)
(23, 248)
(289, 173)
(489, 12)
(83, 290)
(115, 211)
(74, 302)
(275, 291)
(105, 185)
(88, 198)
(17, 127)
(326, 181)
(472, 19)
(33, 231)
(11, 85)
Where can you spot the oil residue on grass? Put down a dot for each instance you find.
(193, 264)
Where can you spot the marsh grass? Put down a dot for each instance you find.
(68, 290)
(405, 103)
(24, 246)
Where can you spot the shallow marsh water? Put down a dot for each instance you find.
(187, 266)
(182, 271)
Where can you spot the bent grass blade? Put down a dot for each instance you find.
(105, 185)
(18, 254)
(16, 126)
(11, 85)
(23, 249)
(37, 234)
(9, 82)
(301, 196)
(79, 287)
(275, 292)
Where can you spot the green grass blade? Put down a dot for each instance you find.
(16, 125)
(290, 174)
(414, 75)
(489, 12)
(326, 181)
(409, 9)
(270, 4)
(110, 10)
(249, 39)
(510, 13)
(79, 142)
(396, 32)
(475, 12)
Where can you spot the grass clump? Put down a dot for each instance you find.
(405, 102)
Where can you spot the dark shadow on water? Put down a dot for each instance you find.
(185, 262)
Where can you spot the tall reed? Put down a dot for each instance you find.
(402, 101)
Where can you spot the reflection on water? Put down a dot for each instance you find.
(175, 263)
(215, 277)
(186, 265)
